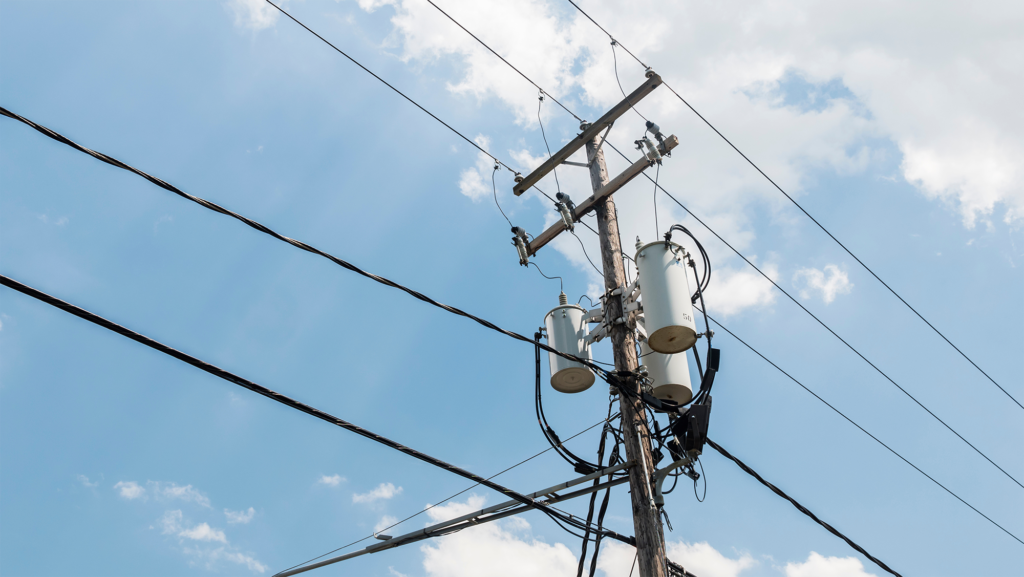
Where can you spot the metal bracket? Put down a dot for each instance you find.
(662, 474)
(576, 164)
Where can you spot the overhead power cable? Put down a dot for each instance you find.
(397, 91)
(807, 214)
(298, 244)
(862, 429)
(292, 403)
(805, 309)
(801, 508)
(441, 502)
(822, 323)
(505, 61)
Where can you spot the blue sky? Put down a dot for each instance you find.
(115, 459)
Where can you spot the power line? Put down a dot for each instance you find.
(862, 429)
(298, 244)
(291, 403)
(800, 507)
(389, 85)
(442, 501)
(503, 60)
(805, 309)
(808, 215)
(822, 323)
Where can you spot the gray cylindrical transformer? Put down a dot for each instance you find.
(665, 292)
(567, 330)
(670, 374)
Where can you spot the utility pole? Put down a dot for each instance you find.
(650, 539)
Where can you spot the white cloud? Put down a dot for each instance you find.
(130, 490)
(698, 558)
(171, 522)
(383, 491)
(827, 283)
(203, 532)
(732, 291)
(385, 522)
(82, 478)
(254, 14)
(498, 548)
(331, 480)
(60, 221)
(240, 517)
(476, 182)
(396, 573)
(172, 491)
(820, 566)
(822, 90)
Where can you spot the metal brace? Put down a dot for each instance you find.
(660, 475)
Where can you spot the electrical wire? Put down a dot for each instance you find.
(800, 507)
(601, 274)
(705, 495)
(829, 329)
(593, 496)
(540, 101)
(494, 187)
(560, 286)
(814, 220)
(862, 429)
(503, 60)
(441, 502)
(615, 62)
(272, 395)
(298, 244)
(657, 175)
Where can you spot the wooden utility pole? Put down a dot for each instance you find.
(650, 540)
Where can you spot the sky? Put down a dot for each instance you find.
(896, 125)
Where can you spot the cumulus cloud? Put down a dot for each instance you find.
(331, 480)
(130, 490)
(196, 539)
(254, 14)
(383, 491)
(827, 91)
(385, 522)
(697, 558)
(82, 478)
(475, 182)
(504, 546)
(827, 283)
(172, 491)
(820, 566)
(240, 517)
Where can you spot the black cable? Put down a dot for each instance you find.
(800, 507)
(503, 60)
(441, 502)
(705, 495)
(829, 329)
(593, 496)
(494, 187)
(540, 100)
(586, 297)
(272, 395)
(561, 288)
(862, 429)
(298, 244)
(815, 221)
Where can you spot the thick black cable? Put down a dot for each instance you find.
(272, 395)
(298, 244)
(862, 429)
(800, 507)
(593, 496)
(829, 329)
(814, 220)
(503, 60)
